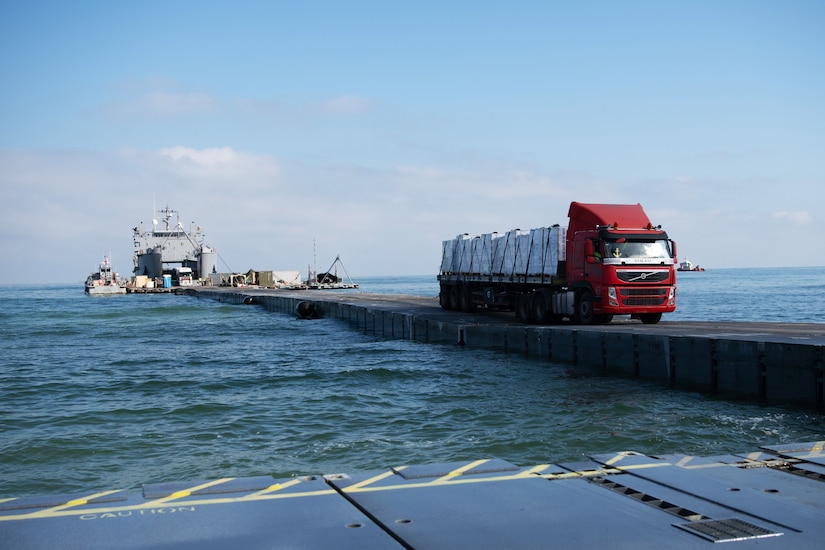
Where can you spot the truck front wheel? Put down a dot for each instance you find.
(584, 308)
(650, 318)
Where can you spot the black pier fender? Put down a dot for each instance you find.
(308, 310)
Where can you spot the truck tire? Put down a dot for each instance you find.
(523, 308)
(539, 308)
(584, 308)
(650, 318)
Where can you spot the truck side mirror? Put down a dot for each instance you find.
(673, 248)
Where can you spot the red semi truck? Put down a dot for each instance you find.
(609, 260)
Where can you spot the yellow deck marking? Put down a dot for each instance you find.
(615, 459)
(70, 504)
(188, 492)
(372, 480)
(273, 488)
(683, 462)
(458, 471)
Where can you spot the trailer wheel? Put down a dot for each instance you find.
(650, 318)
(523, 303)
(584, 308)
(539, 308)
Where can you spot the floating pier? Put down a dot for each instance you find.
(771, 498)
(775, 362)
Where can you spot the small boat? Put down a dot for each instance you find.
(104, 281)
(687, 265)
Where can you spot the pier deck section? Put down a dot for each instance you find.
(776, 362)
(768, 498)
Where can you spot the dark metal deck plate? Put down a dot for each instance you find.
(287, 513)
(513, 509)
(726, 530)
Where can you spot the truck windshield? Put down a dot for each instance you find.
(637, 250)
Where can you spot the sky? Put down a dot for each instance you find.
(295, 132)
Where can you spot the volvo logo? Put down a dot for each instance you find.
(642, 276)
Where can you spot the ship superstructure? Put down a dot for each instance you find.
(167, 248)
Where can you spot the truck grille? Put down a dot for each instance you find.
(642, 275)
(643, 296)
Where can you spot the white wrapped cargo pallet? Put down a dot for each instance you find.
(475, 247)
(538, 251)
(498, 242)
(504, 260)
(562, 240)
(544, 251)
(555, 247)
(486, 254)
(490, 244)
(447, 248)
(461, 256)
(522, 255)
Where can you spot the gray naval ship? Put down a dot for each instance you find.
(168, 249)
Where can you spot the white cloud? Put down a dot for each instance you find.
(800, 217)
(346, 104)
(219, 163)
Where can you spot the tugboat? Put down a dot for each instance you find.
(104, 281)
(687, 265)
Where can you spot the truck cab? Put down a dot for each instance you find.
(184, 276)
(619, 263)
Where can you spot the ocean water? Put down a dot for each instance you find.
(113, 392)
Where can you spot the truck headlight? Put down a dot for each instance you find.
(612, 299)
